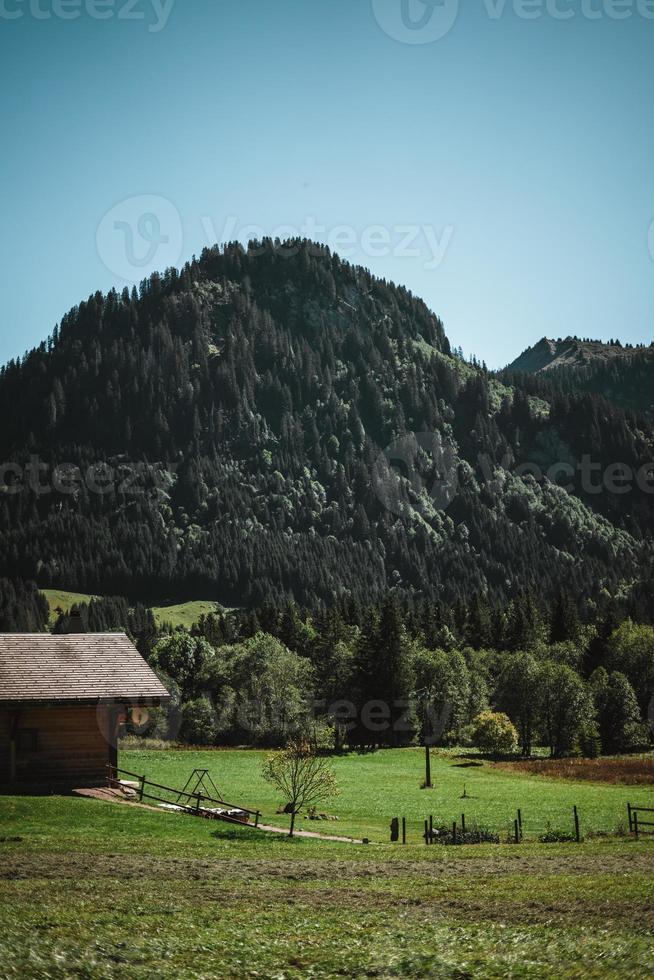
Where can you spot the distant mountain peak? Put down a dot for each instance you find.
(549, 354)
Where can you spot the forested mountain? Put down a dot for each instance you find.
(278, 424)
(623, 375)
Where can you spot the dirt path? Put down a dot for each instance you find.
(309, 833)
(108, 795)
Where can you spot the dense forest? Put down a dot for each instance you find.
(393, 673)
(274, 425)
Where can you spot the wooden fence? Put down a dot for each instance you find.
(198, 804)
(467, 830)
(637, 822)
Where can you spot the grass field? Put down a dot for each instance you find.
(183, 613)
(98, 890)
(176, 614)
(378, 786)
(59, 598)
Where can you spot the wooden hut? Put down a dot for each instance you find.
(62, 700)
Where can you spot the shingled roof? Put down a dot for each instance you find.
(79, 667)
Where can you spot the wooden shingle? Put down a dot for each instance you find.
(37, 668)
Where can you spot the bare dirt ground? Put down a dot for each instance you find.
(629, 771)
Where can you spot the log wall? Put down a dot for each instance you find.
(73, 745)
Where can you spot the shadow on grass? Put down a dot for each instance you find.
(247, 836)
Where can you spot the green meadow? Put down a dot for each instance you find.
(174, 613)
(375, 787)
(90, 889)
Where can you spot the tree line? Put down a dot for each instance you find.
(389, 675)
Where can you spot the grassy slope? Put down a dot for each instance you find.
(183, 613)
(376, 787)
(64, 600)
(179, 614)
(91, 889)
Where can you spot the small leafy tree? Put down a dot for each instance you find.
(495, 733)
(198, 722)
(519, 694)
(617, 710)
(304, 777)
(566, 707)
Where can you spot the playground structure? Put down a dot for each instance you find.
(202, 777)
(198, 804)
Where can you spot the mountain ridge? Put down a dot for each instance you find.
(549, 354)
(305, 433)
(623, 374)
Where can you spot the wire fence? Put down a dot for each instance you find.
(564, 826)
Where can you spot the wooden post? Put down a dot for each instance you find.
(463, 823)
(516, 831)
(427, 764)
(454, 832)
(256, 818)
(426, 832)
(576, 816)
(629, 816)
(404, 830)
(636, 823)
(431, 829)
(520, 822)
(141, 789)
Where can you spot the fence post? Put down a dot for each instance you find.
(426, 832)
(520, 822)
(141, 789)
(463, 823)
(576, 815)
(516, 831)
(629, 816)
(404, 830)
(431, 829)
(636, 823)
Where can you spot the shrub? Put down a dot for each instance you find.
(473, 835)
(494, 732)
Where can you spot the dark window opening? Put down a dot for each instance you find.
(26, 740)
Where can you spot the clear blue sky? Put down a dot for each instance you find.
(524, 146)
